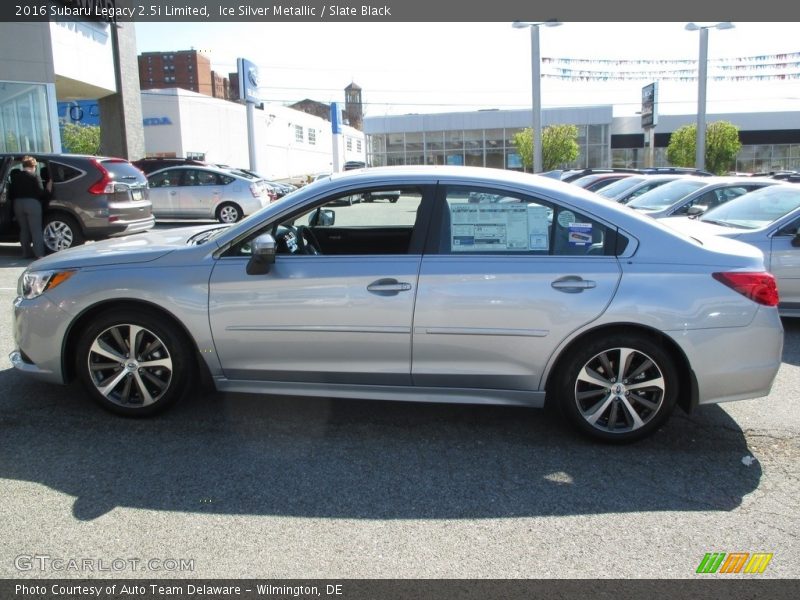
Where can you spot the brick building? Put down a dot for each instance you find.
(186, 69)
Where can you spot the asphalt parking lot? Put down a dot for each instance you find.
(275, 487)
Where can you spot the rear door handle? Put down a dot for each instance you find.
(388, 287)
(572, 284)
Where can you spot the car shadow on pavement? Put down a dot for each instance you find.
(302, 457)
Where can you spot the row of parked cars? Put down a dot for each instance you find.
(762, 210)
(99, 197)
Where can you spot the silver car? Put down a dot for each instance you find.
(769, 219)
(196, 192)
(477, 285)
(693, 196)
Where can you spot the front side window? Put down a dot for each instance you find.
(484, 221)
(364, 221)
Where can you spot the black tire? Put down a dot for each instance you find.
(229, 213)
(137, 384)
(60, 232)
(592, 397)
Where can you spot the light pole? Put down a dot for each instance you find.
(536, 86)
(702, 69)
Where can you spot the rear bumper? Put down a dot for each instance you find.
(734, 363)
(118, 228)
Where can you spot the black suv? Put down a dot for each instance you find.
(150, 164)
(94, 197)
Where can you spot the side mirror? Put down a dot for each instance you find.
(696, 210)
(263, 254)
(324, 217)
(796, 240)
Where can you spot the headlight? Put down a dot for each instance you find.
(33, 284)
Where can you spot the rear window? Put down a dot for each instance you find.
(123, 171)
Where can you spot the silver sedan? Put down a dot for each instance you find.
(196, 192)
(477, 285)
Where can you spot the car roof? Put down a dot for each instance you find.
(199, 168)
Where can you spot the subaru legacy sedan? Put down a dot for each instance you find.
(476, 286)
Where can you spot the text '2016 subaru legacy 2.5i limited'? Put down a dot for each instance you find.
(477, 285)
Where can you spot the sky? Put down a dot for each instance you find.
(443, 67)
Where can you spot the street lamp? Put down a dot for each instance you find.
(536, 89)
(702, 68)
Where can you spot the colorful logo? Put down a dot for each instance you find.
(734, 562)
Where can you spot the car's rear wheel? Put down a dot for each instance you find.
(229, 213)
(132, 363)
(618, 389)
(61, 232)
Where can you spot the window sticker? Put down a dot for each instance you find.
(565, 217)
(579, 234)
(500, 226)
(539, 218)
(488, 227)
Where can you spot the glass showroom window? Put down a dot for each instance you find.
(24, 122)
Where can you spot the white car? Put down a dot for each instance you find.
(195, 192)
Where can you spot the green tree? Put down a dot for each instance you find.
(80, 139)
(559, 146)
(722, 146)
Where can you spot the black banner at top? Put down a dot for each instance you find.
(279, 11)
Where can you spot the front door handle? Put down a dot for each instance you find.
(388, 287)
(572, 284)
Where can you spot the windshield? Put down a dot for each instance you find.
(756, 209)
(666, 195)
(618, 187)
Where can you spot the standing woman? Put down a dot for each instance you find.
(30, 199)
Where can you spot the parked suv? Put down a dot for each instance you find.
(93, 198)
(156, 163)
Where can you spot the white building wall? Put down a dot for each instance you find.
(83, 59)
(218, 129)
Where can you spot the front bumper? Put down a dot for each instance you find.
(39, 327)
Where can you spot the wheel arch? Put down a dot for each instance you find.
(67, 212)
(688, 391)
(77, 326)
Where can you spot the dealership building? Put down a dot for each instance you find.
(45, 62)
(484, 138)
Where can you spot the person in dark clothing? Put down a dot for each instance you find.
(30, 199)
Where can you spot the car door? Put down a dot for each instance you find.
(164, 192)
(784, 263)
(201, 193)
(327, 318)
(505, 279)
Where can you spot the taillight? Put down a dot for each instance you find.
(759, 287)
(105, 185)
(254, 190)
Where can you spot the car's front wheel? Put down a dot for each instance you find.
(61, 232)
(619, 388)
(133, 363)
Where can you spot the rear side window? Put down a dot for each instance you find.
(123, 171)
(60, 173)
(480, 221)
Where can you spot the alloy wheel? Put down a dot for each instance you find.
(130, 366)
(620, 390)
